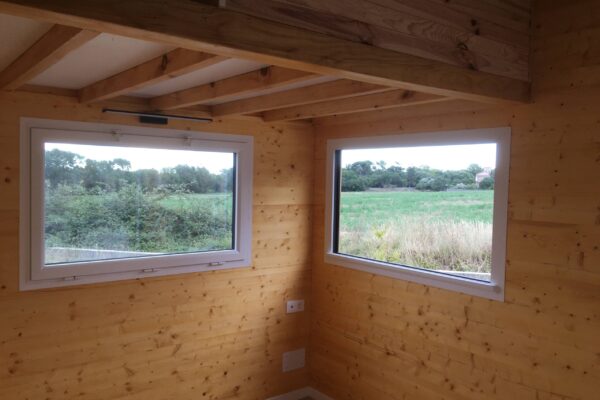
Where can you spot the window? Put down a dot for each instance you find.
(104, 202)
(429, 208)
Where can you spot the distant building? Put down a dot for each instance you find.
(486, 173)
(481, 176)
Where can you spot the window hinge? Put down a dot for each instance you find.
(148, 270)
(69, 278)
(216, 264)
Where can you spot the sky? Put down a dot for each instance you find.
(455, 157)
(141, 158)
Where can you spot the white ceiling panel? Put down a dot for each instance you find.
(104, 56)
(17, 35)
(222, 70)
(107, 55)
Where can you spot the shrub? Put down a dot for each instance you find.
(436, 184)
(486, 183)
(129, 219)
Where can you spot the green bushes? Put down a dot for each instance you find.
(102, 204)
(486, 183)
(133, 220)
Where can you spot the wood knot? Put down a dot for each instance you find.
(466, 57)
(407, 94)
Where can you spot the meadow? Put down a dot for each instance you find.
(449, 230)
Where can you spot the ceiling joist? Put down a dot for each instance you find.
(201, 27)
(265, 78)
(175, 63)
(339, 89)
(378, 101)
(48, 50)
(126, 103)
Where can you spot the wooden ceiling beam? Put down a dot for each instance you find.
(264, 78)
(338, 89)
(202, 27)
(47, 51)
(173, 64)
(378, 101)
(380, 24)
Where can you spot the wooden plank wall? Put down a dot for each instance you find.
(196, 336)
(378, 338)
(489, 36)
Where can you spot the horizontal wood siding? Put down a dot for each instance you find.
(379, 338)
(213, 335)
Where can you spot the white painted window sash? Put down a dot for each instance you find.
(491, 290)
(36, 132)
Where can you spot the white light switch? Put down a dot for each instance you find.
(294, 306)
(293, 360)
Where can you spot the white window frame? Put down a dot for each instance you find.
(491, 290)
(35, 132)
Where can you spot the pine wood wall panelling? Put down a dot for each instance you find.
(389, 120)
(374, 337)
(568, 16)
(217, 335)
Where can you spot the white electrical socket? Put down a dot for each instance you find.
(294, 306)
(293, 360)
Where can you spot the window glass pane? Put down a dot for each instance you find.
(424, 207)
(109, 202)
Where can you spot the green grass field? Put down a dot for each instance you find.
(380, 207)
(435, 230)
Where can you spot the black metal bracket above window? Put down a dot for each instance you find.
(155, 118)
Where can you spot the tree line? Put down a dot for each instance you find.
(68, 168)
(363, 175)
(105, 205)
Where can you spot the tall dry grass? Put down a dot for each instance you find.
(421, 241)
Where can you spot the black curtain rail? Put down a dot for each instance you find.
(154, 118)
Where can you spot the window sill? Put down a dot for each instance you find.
(488, 290)
(29, 284)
